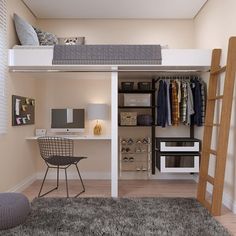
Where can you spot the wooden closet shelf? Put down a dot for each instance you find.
(137, 91)
(136, 107)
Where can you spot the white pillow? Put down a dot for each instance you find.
(25, 32)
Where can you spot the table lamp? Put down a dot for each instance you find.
(97, 112)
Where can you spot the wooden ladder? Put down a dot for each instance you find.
(220, 154)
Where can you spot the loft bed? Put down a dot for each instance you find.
(40, 59)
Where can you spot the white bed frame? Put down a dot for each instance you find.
(39, 59)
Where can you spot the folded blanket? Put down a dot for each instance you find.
(107, 54)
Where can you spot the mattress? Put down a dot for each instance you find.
(107, 54)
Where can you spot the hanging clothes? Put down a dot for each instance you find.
(204, 98)
(183, 103)
(175, 103)
(179, 96)
(181, 100)
(197, 103)
(190, 104)
(169, 123)
(162, 104)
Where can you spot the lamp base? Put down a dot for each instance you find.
(97, 130)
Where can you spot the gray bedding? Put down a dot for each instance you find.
(107, 54)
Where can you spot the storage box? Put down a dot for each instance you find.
(128, 118)
(144, 119)
(137, 100)
(127, 85)
(144, 85)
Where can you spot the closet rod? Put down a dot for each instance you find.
(177, 77)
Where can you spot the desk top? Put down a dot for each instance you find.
(76, 137)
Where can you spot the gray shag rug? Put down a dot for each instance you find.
(122, 216)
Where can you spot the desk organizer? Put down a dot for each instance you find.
(23, 111)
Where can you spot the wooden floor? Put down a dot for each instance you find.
(132, 188)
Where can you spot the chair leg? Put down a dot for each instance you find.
(57, 176)
(39, 195)
(67, 192)
(80, 181)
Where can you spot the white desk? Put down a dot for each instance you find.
(75, 137)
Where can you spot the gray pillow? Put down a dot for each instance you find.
(25, 32)
(71, 40)
(46, 38)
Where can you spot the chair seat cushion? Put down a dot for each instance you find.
(14, 209)
(63, 160)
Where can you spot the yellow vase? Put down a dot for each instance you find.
(97, 129)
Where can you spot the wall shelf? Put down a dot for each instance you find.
(136, 107)
(135, 126)
(137, 91)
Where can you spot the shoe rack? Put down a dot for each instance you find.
(135, 155)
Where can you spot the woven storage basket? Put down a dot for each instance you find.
(128, 118)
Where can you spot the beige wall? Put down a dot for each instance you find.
(16, 162)
(76, 90)
(16, 6)
(213, 27)
(175, 33)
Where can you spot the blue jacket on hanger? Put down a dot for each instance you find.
(162, 113)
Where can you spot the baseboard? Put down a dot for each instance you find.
(227, 199)
(74, 175)
(107, 176)
(234, 208)
(23, 184)
(172, 176)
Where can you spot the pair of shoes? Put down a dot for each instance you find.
(143, 141)
(140, 150)
(125, 150)
(141, 168)
(130, 159)
(130, 141)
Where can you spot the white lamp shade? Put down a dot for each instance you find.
(97, 111)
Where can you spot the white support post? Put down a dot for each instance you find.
(114, 133)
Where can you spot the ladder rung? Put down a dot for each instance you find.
(215, 98)
(207, 205)
(213, 152)
(211, 125)
(210, 151)
(210, 179)
(221, 70)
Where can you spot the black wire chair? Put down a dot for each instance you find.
(58, 153)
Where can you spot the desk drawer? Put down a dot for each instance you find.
(178, 163)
